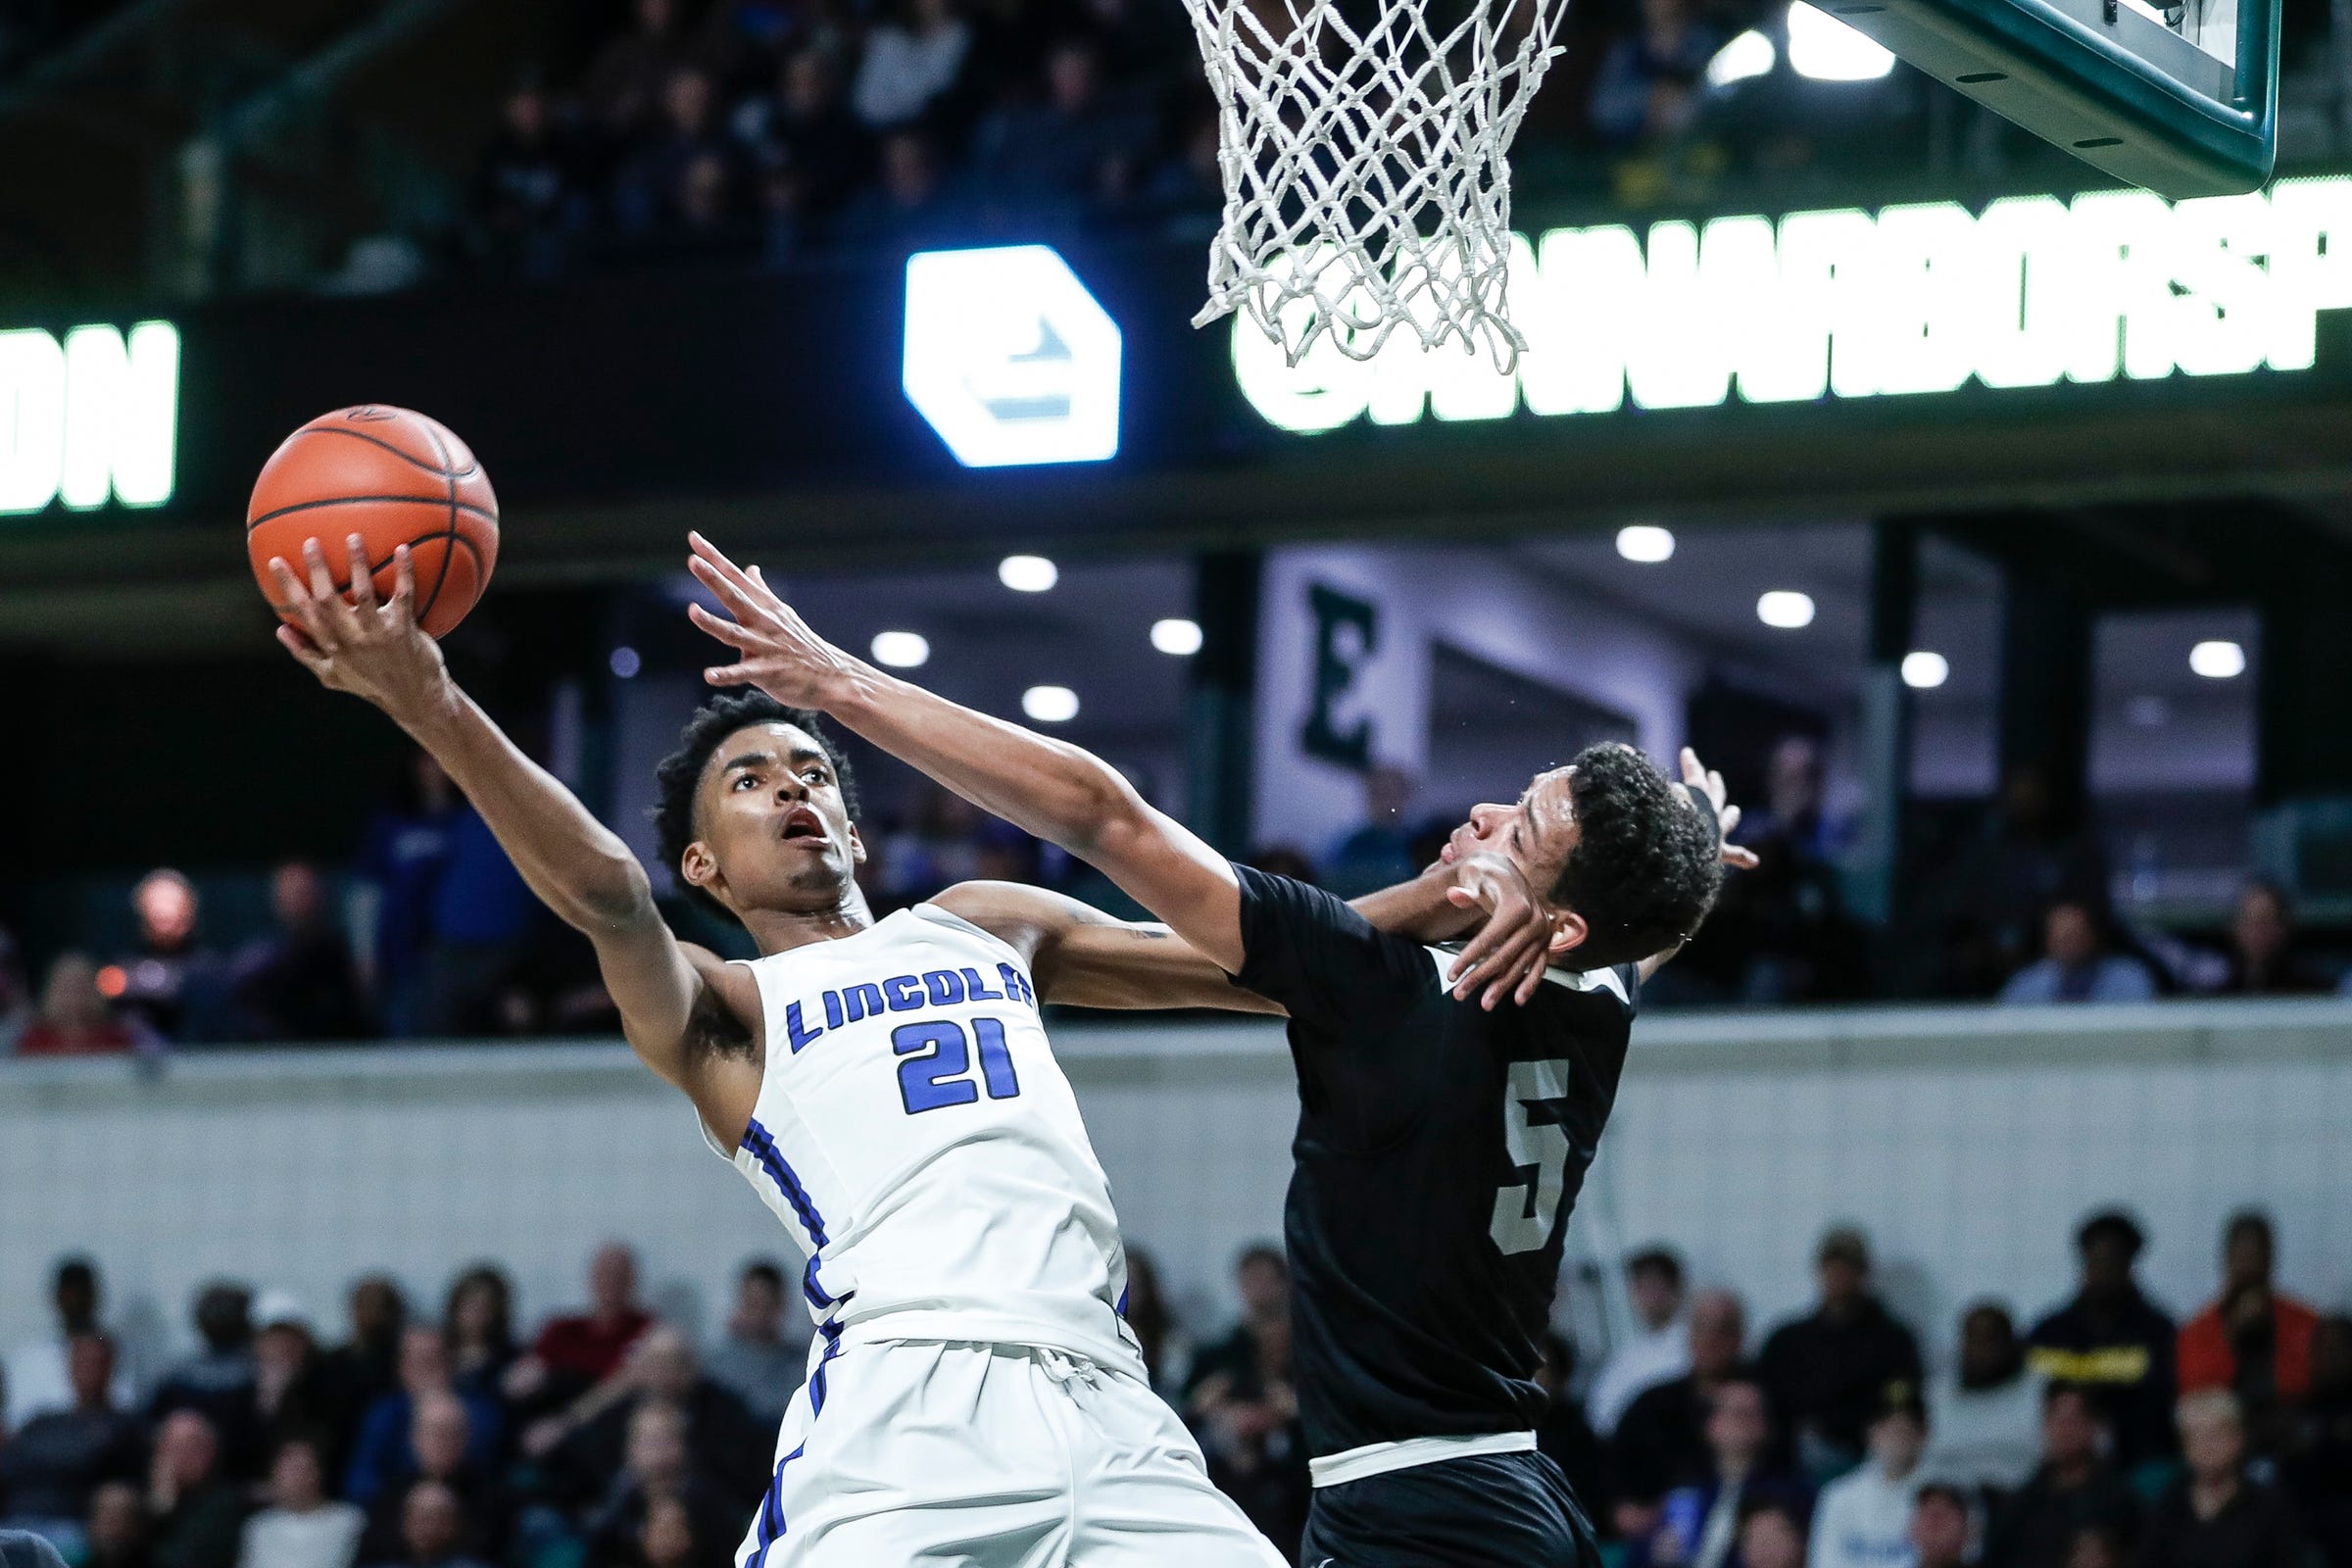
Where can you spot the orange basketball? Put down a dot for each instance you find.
(394, 478)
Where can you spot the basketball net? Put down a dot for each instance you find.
(1366, 164)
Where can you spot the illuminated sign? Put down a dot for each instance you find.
(1845, 304)
(90, 420)
(1009, 358)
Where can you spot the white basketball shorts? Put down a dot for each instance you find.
(962, 1455)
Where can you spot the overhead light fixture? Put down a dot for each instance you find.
(625, 662)
(1752, 54)
(1027, 574)
(1049, 705)
(2218, 659)
(902, 650)
(1647, 543)
(1825, 49)
(1925, 670)
(1176, 636)
(1785, 609)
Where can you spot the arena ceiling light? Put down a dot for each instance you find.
(1646, 543)
(2218, 659)
(1176, 636)
(902, 650)
(1028, 574)
(1752, 54)
(1825, 49)
(1925, 670)
(1785, 609)
(625, 662)
(1049, 705)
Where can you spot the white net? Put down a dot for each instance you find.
(1366, 147)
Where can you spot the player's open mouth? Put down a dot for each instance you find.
(802, 823)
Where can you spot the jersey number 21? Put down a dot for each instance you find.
(1525, 1210)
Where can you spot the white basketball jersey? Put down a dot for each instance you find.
(916, 1136)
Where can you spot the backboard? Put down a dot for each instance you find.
(2180, 96)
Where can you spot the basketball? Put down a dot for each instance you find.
(394, 477)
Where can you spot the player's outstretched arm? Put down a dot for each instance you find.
(577, 866)
(1082, 957)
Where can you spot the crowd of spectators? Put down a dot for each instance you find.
(2105, 1433)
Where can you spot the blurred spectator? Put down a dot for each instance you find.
(2319, 1459)
(119, 1534)
(1827, 1371)
(1643, 89)
(1657, 1351)
(527, 199)
(482, 918)
(37, 1375)
(1380, 852)
(908, 207)
(2253, 1340)
(440, 1444)
(727, 1449)
(758, 1361)
(910, 61)
(1662, 1441)
(382, 1459)
(1783, 925)
(657, 1467)
(366, 1366)
(403, 859)
(1083, 146)
(576, 1351)
(1940, 1525)
(290, 1400)
(477, 1330)
(301, 1526)
(2217, 1516)
(1863, 1519)
(682, 175)
(298, 983)
(16, 993)
(75, 1019)
(1698, 1524)
(171, 981)
(805, 127)
(199, 1514)
(54, 1463)
(1771, 1535)
(2264, 958)
(1563, 1434)
(217, 1381)
(2112, 1339)
(1167, 1353)
(2029, 857)
(671, 1536)
(432, 1529)
(2078, 962)
(625, 80)
(1987, 1408)
(2073, 1490)
(1241, 1402)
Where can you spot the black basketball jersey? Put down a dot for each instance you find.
(1438, 1150)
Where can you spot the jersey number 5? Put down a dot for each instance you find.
(938, 1060)
(1526, 1209)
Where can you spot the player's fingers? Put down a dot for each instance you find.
(404, 587)
(740, 602)
(1739, 860)
(362, 578)
(1502, 976)
(726, 631)
(301, 606)
(1715, 790)
(718, 561)
(295, 643)
(726, 675)
(1729, 819)
(1692, 773)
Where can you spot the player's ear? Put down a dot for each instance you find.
(698, 866)
(1568, 933)
(856, 847)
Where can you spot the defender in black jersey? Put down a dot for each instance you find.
(1440, 1142)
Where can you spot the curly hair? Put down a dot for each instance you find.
(1645, 869)
(681, 772)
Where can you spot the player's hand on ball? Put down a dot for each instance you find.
(780, 654)
(1727, 816)
(369, 647)
(1512, 950)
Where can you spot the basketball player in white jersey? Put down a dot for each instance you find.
(974, 1396)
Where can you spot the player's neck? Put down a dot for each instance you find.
(781, 930)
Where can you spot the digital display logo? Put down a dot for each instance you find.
(92, 419)
(1009, 358)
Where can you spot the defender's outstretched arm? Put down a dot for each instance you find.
(672, 997)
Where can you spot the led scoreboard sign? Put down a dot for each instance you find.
(1845, 304)
(92, 419)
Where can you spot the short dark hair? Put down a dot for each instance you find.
(1261, 1252)
(1658, 1260)
(2254, 1220)
(2112, 1224)
(681, 770)
(1951, 1492)
(764, 1272)
(1645, 869)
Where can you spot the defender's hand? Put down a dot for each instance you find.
(361, 646)
(1510, 953)
(780, 654)
(1727, 816)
